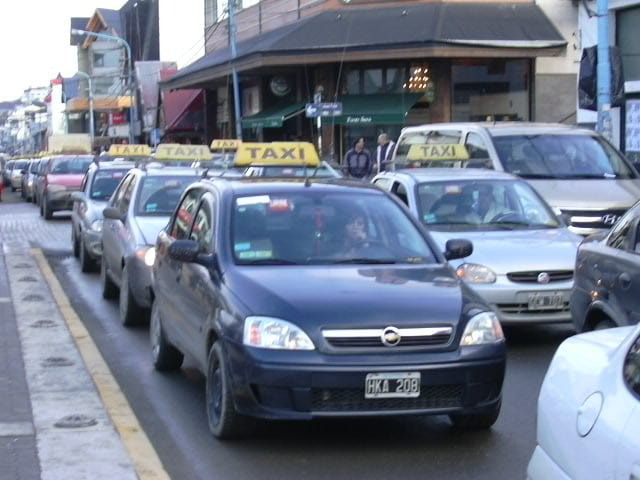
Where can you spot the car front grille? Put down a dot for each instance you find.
(523, 308)
(352, 399)
(532, 277)
(605, 218)
(373, 338)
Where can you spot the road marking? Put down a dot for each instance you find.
(145, 459)
(16, 429)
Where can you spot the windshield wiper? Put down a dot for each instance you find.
(365, 260)
(535, 175)
(270, 261)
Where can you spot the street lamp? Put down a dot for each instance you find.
(132, 89)
(91, 120)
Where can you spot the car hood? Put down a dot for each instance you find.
(604, 194)
(150, 227)
(68, 180)
(337, 296)
(518, 250)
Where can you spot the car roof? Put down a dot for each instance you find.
(161, 171)
(444, 174)
(259, 185)
(507, 128)
(115, 165)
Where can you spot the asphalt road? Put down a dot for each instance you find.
(170, 407)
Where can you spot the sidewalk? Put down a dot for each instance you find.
(53, 422)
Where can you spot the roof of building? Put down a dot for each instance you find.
(112, 20)
(79, 23)
(402, 30)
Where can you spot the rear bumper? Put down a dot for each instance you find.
(59, 200)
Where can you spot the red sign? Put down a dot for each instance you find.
(117, 118)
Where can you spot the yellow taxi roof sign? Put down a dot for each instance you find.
(176, 151)
(129, 150)
(225, 144)
(277, 153)
(448, 151)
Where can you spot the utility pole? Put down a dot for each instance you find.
(234, 73)
(92, 127)
(604, 72)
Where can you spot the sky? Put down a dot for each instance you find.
(34, 38)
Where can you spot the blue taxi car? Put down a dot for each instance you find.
(306, 298)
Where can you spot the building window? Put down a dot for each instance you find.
(627, 41)
(374, 80)
(490, 89)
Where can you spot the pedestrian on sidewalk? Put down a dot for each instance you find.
(358, 160)
(384, 152)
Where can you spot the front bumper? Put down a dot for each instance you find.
(334, 385)
(510, 301)
(60, 200)
(140, 281)
(93, 243)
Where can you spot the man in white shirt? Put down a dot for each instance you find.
(384, 152)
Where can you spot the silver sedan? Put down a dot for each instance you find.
(523, 255)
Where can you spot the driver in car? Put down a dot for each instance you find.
(486, 206)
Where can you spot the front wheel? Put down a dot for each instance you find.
(87, 264)
(476, 421)
(47, 213)
(224, 421)
(109, 289)
(165, 356)
(75, 242)
(130, 312)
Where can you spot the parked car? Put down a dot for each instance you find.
(138, 209)
(99, 183)
(301, 299)
(62, 176)
(607, 277)
(15, 177)
(523, 258)
(39, 180)
(6, 172)
(28, 180)
(579, 173)
(589, 409)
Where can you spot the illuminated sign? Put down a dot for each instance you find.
(129, 150)
(453, 151)
(175, 151)
(277, 153)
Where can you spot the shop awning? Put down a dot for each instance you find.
(273, 117)
(418, 30)
(375, 109)
(178, 104)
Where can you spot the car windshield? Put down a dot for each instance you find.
(483, 205)
(104, 183)
(71, 164)
(159, 195)
(318, 228)
(33, 168)
(560, 156)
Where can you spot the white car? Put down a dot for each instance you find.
(589, 409)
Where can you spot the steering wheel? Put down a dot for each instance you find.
(507, 217)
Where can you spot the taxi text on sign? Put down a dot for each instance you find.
(225, 144)
(175, 151)
(129, 150)
(277, 153)
(453, 151)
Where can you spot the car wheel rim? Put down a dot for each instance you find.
(215, 393)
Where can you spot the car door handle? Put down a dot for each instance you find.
(624, 280)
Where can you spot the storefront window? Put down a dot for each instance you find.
(395, 79)
(372, 81)
(491, 89)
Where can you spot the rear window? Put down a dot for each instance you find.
(72, 164)
(561, 156)
(105, 182)
(159, 195)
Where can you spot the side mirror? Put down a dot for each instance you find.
(78, 197)
(457, 248)
(23, 171)
(112, 213)
(184, 251)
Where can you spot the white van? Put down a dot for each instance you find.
(580, 174)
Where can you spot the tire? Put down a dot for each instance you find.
(87, 264)
(130, 312)
(47, 213)
(476, 421)
(165, 356)
(75, 243)
(109, 289)
(604, 323)
(224, 421)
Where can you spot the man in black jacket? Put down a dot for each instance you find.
(358, 160)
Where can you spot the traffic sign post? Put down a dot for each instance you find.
(320, 109)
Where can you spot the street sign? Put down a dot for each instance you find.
(325, 109)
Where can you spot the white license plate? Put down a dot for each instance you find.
(545, 301)
(392, 385)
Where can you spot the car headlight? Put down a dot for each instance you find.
(56, 188)
(267, 332)
(147, 255)
(474, 273)
(96, 225)
(483, 329)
